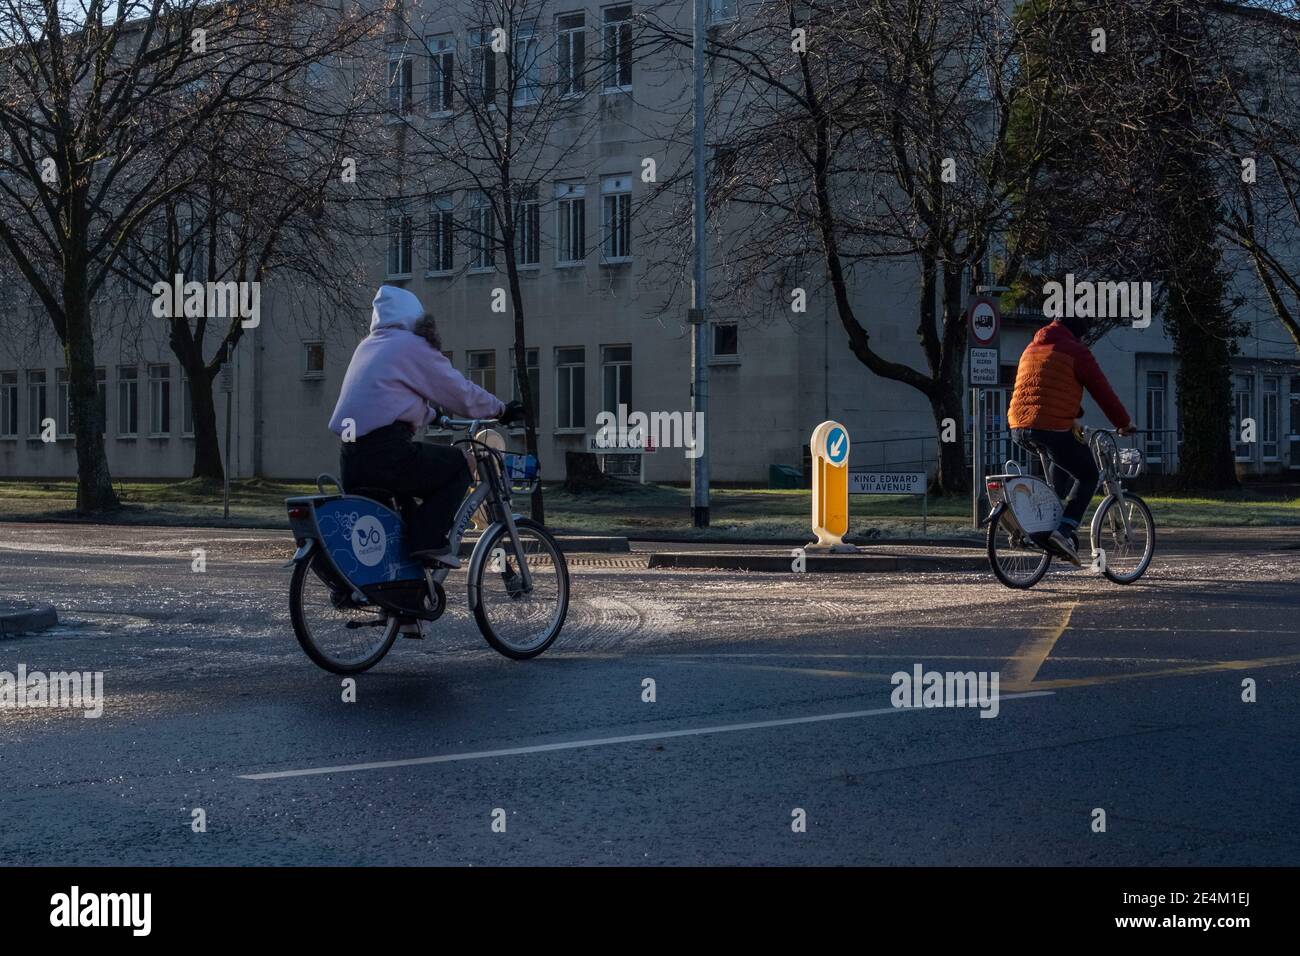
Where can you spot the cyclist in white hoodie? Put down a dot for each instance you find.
(396, 375)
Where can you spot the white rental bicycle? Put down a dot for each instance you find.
(1025, 511)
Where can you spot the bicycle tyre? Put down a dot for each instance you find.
(302, 631)
(1020, 583)
(1148, 552)
(527, 528)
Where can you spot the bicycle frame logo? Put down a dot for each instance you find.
(369, 542)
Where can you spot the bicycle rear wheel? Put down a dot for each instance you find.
(337, 634)
(1016, 561)
(1128, 553)
(520, 622)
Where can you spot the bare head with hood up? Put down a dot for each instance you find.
(396, 308)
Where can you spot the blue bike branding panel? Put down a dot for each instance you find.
(365, 541)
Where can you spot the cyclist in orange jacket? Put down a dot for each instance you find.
(1054, 370)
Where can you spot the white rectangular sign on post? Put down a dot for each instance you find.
(613, 448)
(983, 367)
(887, 482)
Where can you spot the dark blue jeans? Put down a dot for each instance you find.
(1071, 469)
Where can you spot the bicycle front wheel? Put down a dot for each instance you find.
(520, 620)
(1016, 561)
(1128, 550)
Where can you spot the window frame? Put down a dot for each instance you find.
(308, 373)
(568, 197)
(442, 230)
(10, 419)
(621, 195)
(128, 385)
(564, 375)
(570, 74)
(160, 400)
(397, 210)
(621, 30)
(440, 75)
(37, 411)
(622, 372)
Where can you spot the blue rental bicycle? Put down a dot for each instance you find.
(354, 587)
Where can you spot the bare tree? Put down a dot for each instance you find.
(489, 132)
(99, 134)
(287, 194)
(855, 135)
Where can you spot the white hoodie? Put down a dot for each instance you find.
(394, 374)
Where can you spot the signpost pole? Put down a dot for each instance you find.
(976, 426)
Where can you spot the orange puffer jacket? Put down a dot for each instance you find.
(1054, 370)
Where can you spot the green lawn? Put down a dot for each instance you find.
(652, 510)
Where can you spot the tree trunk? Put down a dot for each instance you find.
(94, 483)
(538, 509)
(953, 474)
(207, 446)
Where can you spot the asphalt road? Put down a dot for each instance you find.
(1123, 699)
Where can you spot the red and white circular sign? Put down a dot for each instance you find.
(984, 321)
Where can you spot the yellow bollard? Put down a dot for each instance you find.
(830, 486)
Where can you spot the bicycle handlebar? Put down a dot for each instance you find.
(459, 424)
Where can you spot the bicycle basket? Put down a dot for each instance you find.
(523, 472)
(1128, 463)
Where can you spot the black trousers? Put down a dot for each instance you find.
(1072, 470)
(390, 459)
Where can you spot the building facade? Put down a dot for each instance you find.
(600, 332)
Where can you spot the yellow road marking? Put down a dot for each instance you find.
(1207, 668)
(1021, 669)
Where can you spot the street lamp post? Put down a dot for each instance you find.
(697, 318)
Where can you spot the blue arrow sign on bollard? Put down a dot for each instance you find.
(837, 446)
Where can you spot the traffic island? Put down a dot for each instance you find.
(20, 618)
(787, 561)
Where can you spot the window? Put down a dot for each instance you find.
(483, 370)
(570, 223)
(62, 403)
(36, 410)
(528, 226)
(571, 53)
(534, 383)
(160, 400)
(101, 393)
(1155, 395)
(571, 388)
(442, 234)
(187, 405)
(482, 66)
(313, 360)
(616, 196)
(618, 48)
(128, 400)
(442, 72)
(482, 223)
(399, 81)
(720, 10)
(1242, 408)
(8, 404)
(726, 339)
(525, 65)
(399, 238)
(1269, 410)
(616, 371)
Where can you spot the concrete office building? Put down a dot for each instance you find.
(598, 335)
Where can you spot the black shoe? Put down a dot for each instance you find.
(1061, 546)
